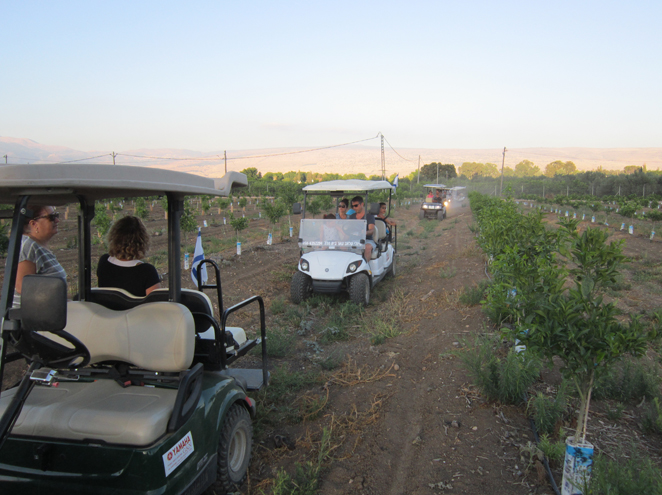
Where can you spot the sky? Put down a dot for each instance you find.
(228, 75)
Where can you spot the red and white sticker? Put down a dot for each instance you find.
(178, 454)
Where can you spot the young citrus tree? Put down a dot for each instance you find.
(274, 211)
(577, 325)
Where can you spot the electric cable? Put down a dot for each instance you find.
(406, 159)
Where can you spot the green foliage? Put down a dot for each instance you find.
(238, 224)
(429, 172)
(554, 451)
(274, 211)
(101, 221)
(505, 378)
(141, 210)
(280, 342)
(222, 203)
(628, 381)
(252, 173)
(472, 296)
(652, 419)
(315, 206)
(4, 239)
(187, 222)
(277, 306)
(637, 474)
(546, 411)
(243, 202)
(306, 478)
(447, 272)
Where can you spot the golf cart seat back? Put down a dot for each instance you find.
(196, 301)
(380, 234)
(121, 300)
(131, 335)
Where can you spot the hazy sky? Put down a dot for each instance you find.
(242, 75)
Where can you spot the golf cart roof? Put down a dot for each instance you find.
(58, 184)
(436, 186)
(350, 185)
(457, 188)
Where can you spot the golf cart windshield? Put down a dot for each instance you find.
(342, 235)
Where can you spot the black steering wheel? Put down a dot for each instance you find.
(52, 353)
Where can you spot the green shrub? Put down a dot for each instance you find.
(652, 419)
(280, 343)
(635, 475)
(547, 411)
(278, 306)
(504, 379)
(448, 272)
(554, 451)
(628, 381)
(472, 296)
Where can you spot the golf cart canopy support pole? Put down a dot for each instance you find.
(13, 250)
(85, 218)
(175, 209)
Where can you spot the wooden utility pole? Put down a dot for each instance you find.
(114, 155)
(225, 157)
(503, 162)
(383, 160)
(5, 159)
(418, 178)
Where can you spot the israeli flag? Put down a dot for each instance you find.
(198, 256)
(395, 181)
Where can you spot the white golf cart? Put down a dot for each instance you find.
(435, 207)
(332, 251)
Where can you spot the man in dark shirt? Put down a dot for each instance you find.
(360, 214)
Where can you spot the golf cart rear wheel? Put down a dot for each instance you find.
(359, 289)
(234, 450)
(391, 272)
(301, 287)
(421, 214)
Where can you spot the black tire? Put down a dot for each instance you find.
(301, 287)
(421, 214)
(359, 289)
(445, 212)
(440, 215)
(234, 450)
(391, 271)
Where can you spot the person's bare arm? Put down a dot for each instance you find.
(24, 268)
(153, 287)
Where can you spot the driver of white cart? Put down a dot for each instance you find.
(360, 214)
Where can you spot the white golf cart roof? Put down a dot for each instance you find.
(457, 188)
(436, 186)
(56, 184)
(353, 185)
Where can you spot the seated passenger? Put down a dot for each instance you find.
(343, 209)
(429, 198)
(359, 207)
(437, 197)
(389, 221)
(122, 267)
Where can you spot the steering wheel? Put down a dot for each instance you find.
(52, 353)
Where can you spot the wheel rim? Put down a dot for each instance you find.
(237, 450)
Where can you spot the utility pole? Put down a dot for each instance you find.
(5, 159)
(225, 157)
(543, 191)
(437, 173)
(383, 159)
(114, 155)
(567, 191)
(418, 178)
(503, 162)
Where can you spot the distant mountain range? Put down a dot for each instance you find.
(354, 159)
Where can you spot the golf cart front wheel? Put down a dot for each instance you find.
(300, 288)
(359, 289)
(421, 214)
(440, 215)
(234, 450)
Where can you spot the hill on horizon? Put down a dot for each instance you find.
(350, 159)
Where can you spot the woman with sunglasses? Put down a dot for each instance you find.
(35, 258)
(343, 212)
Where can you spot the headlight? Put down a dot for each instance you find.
(304, 265)
(445, 203)
(354, 266)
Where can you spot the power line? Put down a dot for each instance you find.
(83, 159)
(219, 158)
(406, 159)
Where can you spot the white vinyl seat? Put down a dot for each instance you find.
(156, 336)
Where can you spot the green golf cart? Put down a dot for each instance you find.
(123, 395)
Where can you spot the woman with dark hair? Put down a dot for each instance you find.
(343, 209)
(35, 258)
(122, 267)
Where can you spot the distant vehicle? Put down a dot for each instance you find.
(124, 394)
(436, 202)
(458, 193)
(332, 250)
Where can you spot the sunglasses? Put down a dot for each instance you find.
(51, 216)
(342, 206)
(356, 205)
